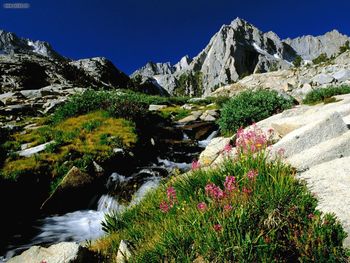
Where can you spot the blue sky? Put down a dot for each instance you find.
(133, 32)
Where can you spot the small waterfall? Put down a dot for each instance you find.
(171, 165)
(205, 143)
(82, 225)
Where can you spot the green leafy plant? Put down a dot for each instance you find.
(297, 61)
(324, 94)
(249, 107)
(320, 59)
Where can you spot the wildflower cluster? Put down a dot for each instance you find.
(166, 205)
(251, 140)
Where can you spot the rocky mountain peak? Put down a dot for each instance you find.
(237, 49)
(10, 43)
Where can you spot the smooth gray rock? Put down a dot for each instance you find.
(342, 75)
(337, 147)
(33, 150)
(213, 150)
(322, 79)
(156, 107)
(65, 252)
(310, 135)
(124, 252)
(193, 117)
(330, 182)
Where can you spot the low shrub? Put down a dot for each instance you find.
(249, 107)
(249, 210)
(320, 59)
(344, 47)
(297, 61)
(324, 94)
(119, 104)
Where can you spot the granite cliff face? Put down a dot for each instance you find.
(237, 50)
(310, 47)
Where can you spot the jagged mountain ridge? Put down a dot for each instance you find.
(10, 43)
(310, 47)
(26, 64)
(237, 50)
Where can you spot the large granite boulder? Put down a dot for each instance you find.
(65, 252)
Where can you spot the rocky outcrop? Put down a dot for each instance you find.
(65, 252)
(77, 186)
(102, 71)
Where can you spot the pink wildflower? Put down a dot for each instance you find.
(214, 191)
(228, 208)
(228, 148)
(230, 183)
(252, 174)
(164, 207)
(196, 165)
(217, 227)
(202, 206)
(171, 194)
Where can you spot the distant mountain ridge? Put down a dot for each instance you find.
(237, 50)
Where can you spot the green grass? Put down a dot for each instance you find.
(324, 94)
(271, 218)
(77, 140)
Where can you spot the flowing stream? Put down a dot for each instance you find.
(84, 225)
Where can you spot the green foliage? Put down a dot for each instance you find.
(190, 81)
(275, 221)
(273, 66)
(345, 47)
(129, 105)
(320, 59)
(297, 61)
(249, 107)
(91, 125)
(324, 94)
(221, 100)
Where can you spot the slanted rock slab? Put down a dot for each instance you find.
(309, 135)
(326, 151)
(213, 150)
(330, 182)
